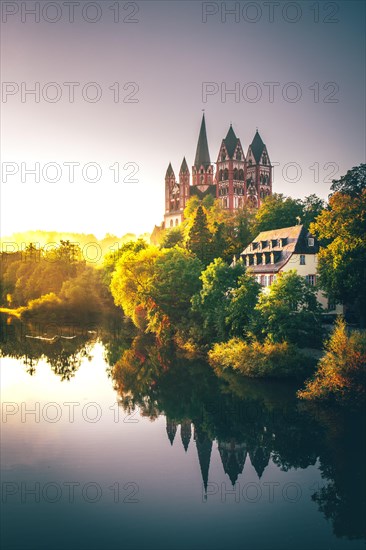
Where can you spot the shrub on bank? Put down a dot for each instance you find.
(260, 360)
(341, 373)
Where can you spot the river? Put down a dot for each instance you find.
(159, 453)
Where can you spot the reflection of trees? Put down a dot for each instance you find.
(249, 417)
(64, 355)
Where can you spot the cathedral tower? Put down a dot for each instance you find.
(230, 172)
(183, 185)
(173, 211)
(202, 170)
(258, 172)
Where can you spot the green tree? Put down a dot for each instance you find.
(200, 238)
(312, 207)
(243, 300)
(175, 280)
(212, 302)
(173, 237)
(277, 211)
(353, 183)
(290, 312)
(342, 261)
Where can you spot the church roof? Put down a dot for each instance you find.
(230, 142)
(202, 154)
(169, 170)
(184, 166)
(257, 146)
(283, 243)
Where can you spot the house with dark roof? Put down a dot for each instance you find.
(282, 250)
(238, 179)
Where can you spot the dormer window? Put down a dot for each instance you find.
(238, 155)
(311, 241)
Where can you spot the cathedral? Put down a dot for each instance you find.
(238, 180)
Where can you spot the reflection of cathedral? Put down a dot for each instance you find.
(233, 453)
(239, 179)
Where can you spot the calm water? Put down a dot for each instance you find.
(164, 455)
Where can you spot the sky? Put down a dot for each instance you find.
(139, 75)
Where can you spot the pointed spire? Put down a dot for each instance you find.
(171, 429)
(185, 433)
(230, 142)
(184, 166)
(204, 447)
(259, 459)
(233, 457)
(202, 154)
(257, 146)
(169, 171)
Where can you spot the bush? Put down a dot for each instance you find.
(341, 373)
(259, 360)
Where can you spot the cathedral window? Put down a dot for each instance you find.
(235, 174)
(226, 174)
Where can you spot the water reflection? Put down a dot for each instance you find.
(252, 423)
(257, 420)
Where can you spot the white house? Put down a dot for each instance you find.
(282, 250)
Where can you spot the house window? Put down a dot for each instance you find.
(302, 259)
(310, 241)
(171, 223)
(311, 280)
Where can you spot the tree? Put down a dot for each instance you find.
(200, 238)
(341, 373)
(289, 312)
(175, 280)
(353, 183)
(173, 237)
(131, 282)
(277, 211)
(342, 262)
(213, 301)
(243, 300)
(312, 207)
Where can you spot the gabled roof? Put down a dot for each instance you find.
(169, 171)
(294, 241)
(257, 147)
(230, 142)
(202, 153)
(184, 166)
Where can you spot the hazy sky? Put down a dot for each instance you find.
(161, 54)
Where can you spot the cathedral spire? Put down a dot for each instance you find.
(169, 171)
(184, 166)
(257, 147)
(185, 433)
(204, 447)
(171, 428)
(202, 154)
(230, 142)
